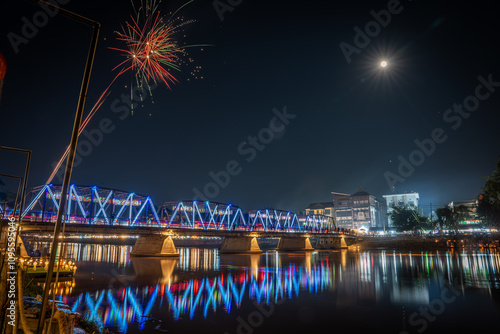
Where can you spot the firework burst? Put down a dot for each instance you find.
(152, 53)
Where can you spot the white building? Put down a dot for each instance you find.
(405, 199)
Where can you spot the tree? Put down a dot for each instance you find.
(450, 217)
(407, 218)
(460, 214)
(444, 217)
(489, 201)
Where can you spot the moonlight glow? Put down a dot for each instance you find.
(383, 63)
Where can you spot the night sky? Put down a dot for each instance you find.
(341, 125)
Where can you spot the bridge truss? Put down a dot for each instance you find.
(91, 205)
(94, 205)
(207, 215)
(3, 211)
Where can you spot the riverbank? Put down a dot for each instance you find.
(428, 243)
(418, 243)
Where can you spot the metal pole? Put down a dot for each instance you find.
(91, 206)
(431, 212)
(20, 180)
(72, 150)
(26, 172)
(3, 307)
(44, 202)
(14, 213)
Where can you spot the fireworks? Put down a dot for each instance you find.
(152, 52)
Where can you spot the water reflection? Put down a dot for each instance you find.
(120, 307)
(150, 270)
(203, 284)
(195, 259)
(115, 254)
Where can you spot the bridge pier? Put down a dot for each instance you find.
(343, 244)
(294, 244)
(237, 245)
(328, 243)
(337, 242)
(154, 245)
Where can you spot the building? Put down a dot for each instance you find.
(471, 205)
(363, 210)
(356, 211)
(324, 208)
(342, 210)
(404, 199)
(381, 215)
(472, 221)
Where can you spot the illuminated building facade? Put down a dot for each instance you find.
(324, 208)
(471, 220)
(405, 199)
(356, 211)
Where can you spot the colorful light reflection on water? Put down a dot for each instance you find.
(202, 284)
(120, 307)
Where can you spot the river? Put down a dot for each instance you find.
(349, 291)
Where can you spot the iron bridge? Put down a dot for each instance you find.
(92, 205)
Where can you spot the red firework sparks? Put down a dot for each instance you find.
(151, 51)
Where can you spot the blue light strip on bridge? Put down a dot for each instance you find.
(193, 214)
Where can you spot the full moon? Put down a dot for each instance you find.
(383, 63)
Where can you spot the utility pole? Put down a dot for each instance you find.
(431, 212)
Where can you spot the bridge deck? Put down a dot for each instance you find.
(47, 227)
